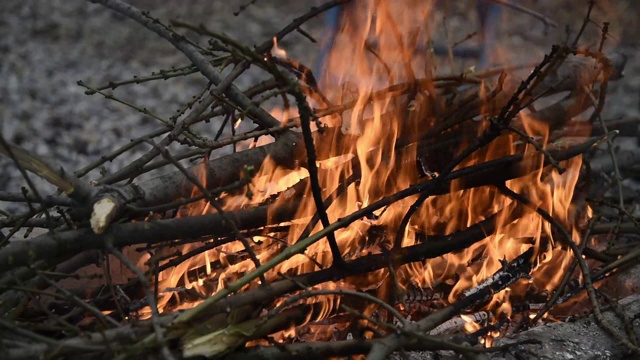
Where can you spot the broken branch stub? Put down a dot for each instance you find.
(219, 172)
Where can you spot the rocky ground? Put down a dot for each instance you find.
(49, 45)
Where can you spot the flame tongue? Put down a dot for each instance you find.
(378, 140)
(380, 41)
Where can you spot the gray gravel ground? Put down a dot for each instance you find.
(47, 46)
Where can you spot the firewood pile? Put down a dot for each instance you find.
(378, 207)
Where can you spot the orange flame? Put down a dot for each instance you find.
(377, 48)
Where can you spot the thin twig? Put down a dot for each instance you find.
(151, 300)
(212, 200)
(537, 146)
(547, 22)
(316, 189)
(586, 20)
(79, 302)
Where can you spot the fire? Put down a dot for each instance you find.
(376, 139)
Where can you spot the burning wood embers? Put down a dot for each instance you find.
(410, 211)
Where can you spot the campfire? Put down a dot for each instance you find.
(380, 205)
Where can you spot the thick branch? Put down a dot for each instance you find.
(66, 244)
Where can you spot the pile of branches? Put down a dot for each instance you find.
(89, 222)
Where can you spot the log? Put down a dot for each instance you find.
(56, 247)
